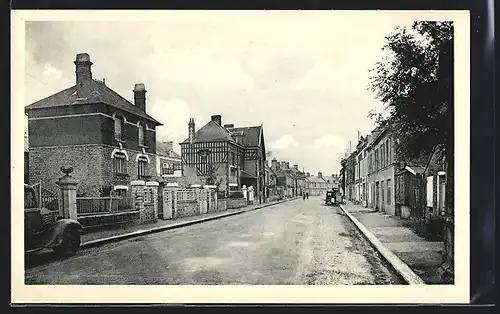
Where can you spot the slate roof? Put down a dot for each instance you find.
(91, 92)
(251, 134)
(211, 132)
(162, 149)
(316, 179)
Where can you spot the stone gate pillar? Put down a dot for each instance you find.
(137, 188)
(154, 186)
(67, 199)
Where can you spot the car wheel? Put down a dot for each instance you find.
(70, 243)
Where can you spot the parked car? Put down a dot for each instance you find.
(330, 198)
(44, 228)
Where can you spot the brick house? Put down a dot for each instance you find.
(317, 185)
(284, 180)
(381, 171)
(168, 162)
(299, 180)
(105, 138)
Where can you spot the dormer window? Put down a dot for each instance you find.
(141, 129)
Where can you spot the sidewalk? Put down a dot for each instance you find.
(397, 235)
(98, 237)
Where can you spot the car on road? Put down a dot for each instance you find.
(44, 228)
(330, 198)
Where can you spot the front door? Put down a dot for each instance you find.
(167, 204)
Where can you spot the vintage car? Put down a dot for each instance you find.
(44, 228)
(330, 198)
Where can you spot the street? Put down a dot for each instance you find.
(297, 242)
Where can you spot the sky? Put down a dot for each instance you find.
(302, 75)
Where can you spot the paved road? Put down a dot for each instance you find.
(297, 242)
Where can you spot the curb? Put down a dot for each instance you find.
(401, 268)
(98, 242)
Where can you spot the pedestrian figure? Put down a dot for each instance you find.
(303, 197)
(307, 195)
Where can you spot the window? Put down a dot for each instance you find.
(389, 191)
(169, 168)
(141, 134)
(142, 163)
(120, 163)
(118, 128)
(233, 160)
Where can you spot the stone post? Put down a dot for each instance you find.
(137, 188)
(154, 186)
(67, 200)
(172, 189)
(245, 193)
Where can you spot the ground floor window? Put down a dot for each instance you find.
(120, 163)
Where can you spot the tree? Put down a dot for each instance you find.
(415, 83)
(211, 176)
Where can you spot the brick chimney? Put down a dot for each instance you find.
(320, 175)
(217, 119)
(308, 174)
(191, 130)
(296, 167)
(82, 68)
(274, 164)
(140, 96)
(287, 165)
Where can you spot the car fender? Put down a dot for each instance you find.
(60, 226)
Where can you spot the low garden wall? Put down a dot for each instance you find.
(236, 203)
(98, 221)
(186, 209)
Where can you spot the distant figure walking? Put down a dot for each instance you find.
(307, 195)
(304, 197)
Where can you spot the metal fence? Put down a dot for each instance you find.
(102, 205)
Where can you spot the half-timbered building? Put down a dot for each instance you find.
(212, 156)
(253, 174)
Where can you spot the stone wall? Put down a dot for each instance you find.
(186, 209)
(236, 203)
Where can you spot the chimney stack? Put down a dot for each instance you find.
(191, 130)
(82, 69)
(274, 164)
(296, 167)
(287, 165)
(140, 96)
(217, 119)
(320, 175)
(308, 174)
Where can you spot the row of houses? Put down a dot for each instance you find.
(110, 142)
(374, 176)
